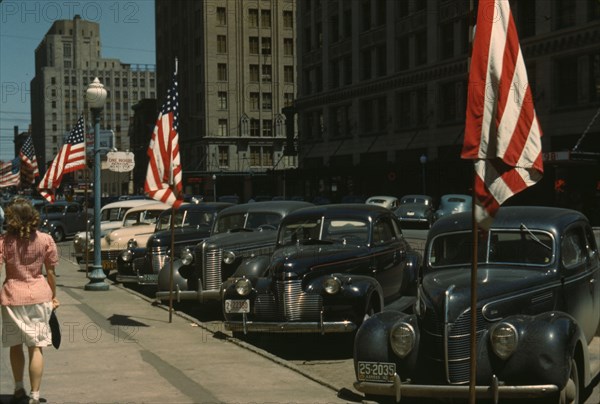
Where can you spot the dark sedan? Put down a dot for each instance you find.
(415, 211)
(192, 224)
(334, 266)
(537, 310)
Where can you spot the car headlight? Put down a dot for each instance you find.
(228, 257)
(132, 243)
(504, 338)
(332, 285)
(90, 245)
(243, 287)
(402, 338)
(77, 240)
(187, 256)
(126, 255)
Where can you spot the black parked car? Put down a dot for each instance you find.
(240, 232)
(334, 265)
(538, 293)
(63, 219)
(192, 224)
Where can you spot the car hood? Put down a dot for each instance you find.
(185, 235)
(241, 239)
(117, 239)
(492, 283)
(301, 259)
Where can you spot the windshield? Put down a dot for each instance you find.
(144, 217)
(413, 199)
(112, 214)
(185, 218)
(247, 220)
(495, 247)
(309, 230)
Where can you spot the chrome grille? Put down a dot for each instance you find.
(265, 307)
(211, 269)
(158, 258)
(109, 255)
(294, 304)
(138, 265)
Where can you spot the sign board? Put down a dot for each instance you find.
(556, 156)
(121, 162)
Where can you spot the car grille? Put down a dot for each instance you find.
(457, 359)
(138, 265)
(211, 269)
(288, 303)
(158, 258)
(110, 255)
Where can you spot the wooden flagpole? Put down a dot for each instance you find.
(172, 185)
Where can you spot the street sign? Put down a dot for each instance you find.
(121, 162)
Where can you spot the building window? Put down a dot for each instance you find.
(253, 18)
(222, 71)
(267, 156)
(334, 28)
(221, 16)
(254, 101)
(67, 50)
(380, 12)
(366, 15)
(288, 46)
(421, 48)
(125, 84)
(222, 127)
(222, 98)
(253, 45)
(54, 128)
(288, 99)
(255, 156)
(319, 34)
(448, 102)
(565, 13)
(267, 101)
(266, 73)
(381, 61)
(447, 40)
(254, 73)
(266, 45)
(223, 156)
(365, 59)
(347, 63)
(566, 89)
(265, 18)
(267, 128)
(288, 19)
(221, 44)
(347, 27)
(254, 127)
(288, 74)
(134, 82)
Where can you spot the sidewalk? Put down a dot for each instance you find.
(119, 348)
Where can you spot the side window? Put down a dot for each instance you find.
(72, 209)
(383, 232)
(591, 245)
(573, 248)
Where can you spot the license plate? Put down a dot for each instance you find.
(376, 372)
(410, 213)
(237, 306)
(150, 277)
(109, 265)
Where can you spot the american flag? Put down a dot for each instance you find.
(71, 157)
(29, 168)
(10, 173)
(502, 134)
(164, 167)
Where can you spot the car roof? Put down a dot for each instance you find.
(205, 206)
(447, 197)
(150, 206)
(342, 210)
(381, 197)
(510, 217)
(128, 203)
(282, 207)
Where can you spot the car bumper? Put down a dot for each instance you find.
(493, 392)
(198, 295)
(325, 327)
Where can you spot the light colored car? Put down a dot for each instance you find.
(138, 224)
(390, 202)
(453, 203)
(111, 217)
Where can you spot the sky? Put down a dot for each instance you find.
(126, 33)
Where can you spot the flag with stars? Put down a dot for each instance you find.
(71, 157)
(164, 176)
(29, 165)
(10, 173)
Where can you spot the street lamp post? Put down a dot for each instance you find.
(96, 96)
(423, 160)
(214, 178)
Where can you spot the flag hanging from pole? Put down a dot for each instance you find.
(10, 173)
(71, 157)
(164, 168)
(29, 165)
(502, 133)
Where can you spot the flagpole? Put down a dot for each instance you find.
(172, 186)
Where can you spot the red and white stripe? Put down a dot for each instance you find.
(502, 133)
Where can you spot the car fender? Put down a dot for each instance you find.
(253, 267)
(372, 342)
(410, 280)
(164, 276)
(547, 344)
(358, 290)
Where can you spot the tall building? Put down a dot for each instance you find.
(383, 83)
(67, 59)
(236, 71)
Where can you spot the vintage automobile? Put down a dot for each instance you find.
(192, 224)
(537, 310)
(453, 203)
(333, 267)
(240, 232)
(111, 217)
(138, 224)
(63, 219)
(415, 211)
(390, 202)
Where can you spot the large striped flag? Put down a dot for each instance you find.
(502, 133)
(29, 166)
(71, 157)
(10, 173)
(164, 167)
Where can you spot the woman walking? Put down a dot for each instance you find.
(27, 297)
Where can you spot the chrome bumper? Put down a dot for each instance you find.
(324, 327)
(127, 278)
(494, 392)
(199, 295)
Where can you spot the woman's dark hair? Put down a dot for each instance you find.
(21, 218)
